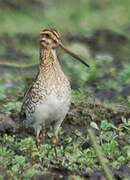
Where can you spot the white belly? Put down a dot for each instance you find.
(52, 109)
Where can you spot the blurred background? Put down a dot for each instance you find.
(97, 30)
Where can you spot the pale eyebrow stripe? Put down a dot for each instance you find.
(55, 33)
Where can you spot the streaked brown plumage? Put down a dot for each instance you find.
(47, 100)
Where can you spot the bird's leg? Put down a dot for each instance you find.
(54, 140)
(38, 143)
(55, 137)
(38, 138)
(43, 132)
(74, 147)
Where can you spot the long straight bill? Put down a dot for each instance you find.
(72, 54)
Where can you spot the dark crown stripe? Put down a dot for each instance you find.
(52, 31)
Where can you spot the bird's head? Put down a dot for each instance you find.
(50, 39)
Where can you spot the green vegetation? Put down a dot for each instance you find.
(85, 16)
(99, 32)
(20, 156)
(23, 161)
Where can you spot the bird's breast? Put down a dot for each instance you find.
(51, 109)
(52, 105)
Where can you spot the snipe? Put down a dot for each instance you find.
(47, 100)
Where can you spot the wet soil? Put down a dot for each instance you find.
(79, 116)
(103, 40)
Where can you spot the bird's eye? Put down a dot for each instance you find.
(55, 41)
(47, 35)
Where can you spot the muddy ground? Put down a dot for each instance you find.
(79, 118)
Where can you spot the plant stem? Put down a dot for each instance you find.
(100, 155)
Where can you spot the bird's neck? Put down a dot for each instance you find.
(50, 69)
(48, 58)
